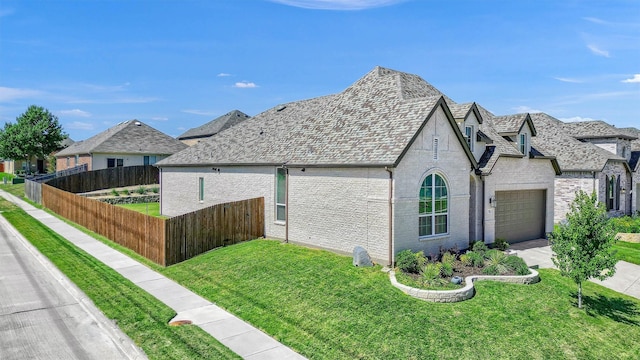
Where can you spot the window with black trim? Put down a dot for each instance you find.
(433, 206)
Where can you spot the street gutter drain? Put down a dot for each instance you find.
(180, 322)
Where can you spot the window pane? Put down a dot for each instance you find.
(201, 189)
(424, 226)
(280, 213)
(441, 224)
(281, 186)
(120, 162)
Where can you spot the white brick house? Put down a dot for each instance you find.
(383, 164)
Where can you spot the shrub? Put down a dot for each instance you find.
(125, 192)
(501, 244)
(475, 259)
(479, 247)
(114, 192)
(446, 269)
(466, 260)
(448, 258)
(491, 270)
(496, 260)
(518, 265)
(141, 190)
(155, 189)
(410, 262)
(626, 224)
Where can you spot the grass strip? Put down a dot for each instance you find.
(151, 209)
(141, 316)
(629, 252)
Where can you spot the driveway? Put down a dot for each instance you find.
(538, 252)
(44, 316)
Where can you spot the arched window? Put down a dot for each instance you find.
(611, 191)
(433, 218)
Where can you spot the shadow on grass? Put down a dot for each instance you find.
(617, 309)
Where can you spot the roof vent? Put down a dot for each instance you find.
(137, 123)
(281, 107)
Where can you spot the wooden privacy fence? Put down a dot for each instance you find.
(163, 241)
(107, 179)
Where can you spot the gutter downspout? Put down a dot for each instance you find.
(286, 204)
(483, 207)
(390, 224)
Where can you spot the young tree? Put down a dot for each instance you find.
(583, 244)
(36, 133)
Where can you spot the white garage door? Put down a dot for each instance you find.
(520, 215)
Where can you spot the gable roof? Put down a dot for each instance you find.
(128, 137)
(572, 154)
(596, 129)
(635, 144)
(215, 126)
(371, 123)
(513, 124)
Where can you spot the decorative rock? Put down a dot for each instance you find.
(361, 257)
(456, 280)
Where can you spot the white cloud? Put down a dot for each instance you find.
(223, 75)
(125, 100)
(79, 125)
(338, 4)
(634, 79)
(74, 112)
(595, 20)
(245, 84)
(569, 80)
(596, 50)
(526, 109)
(160, 118)
(576, 119)
(199, 112)
(10, 94)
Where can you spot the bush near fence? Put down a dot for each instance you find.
(163, 241)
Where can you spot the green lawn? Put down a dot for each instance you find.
(152, 209)
(138, 314)
(629, 252)
(320, 305)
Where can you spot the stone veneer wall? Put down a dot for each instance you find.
(566, 187)
(464, 293)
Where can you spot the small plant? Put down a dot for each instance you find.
(518, 265)
(114, 192)
(155, 189)
(501, 244)
(141, 190)
(496, 260)
(448, 258)
(431, 275)
(479, 247)
(446, 269)
(466, 260)
(475, 259)
(125, 192)
(407, 261)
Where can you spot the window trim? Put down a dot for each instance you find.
(434, 215)
(201, 189)
(282, 205)
(523, 144)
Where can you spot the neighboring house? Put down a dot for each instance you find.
(39, 166)
(129, 143)
(634, 164)
(384, 165)
(195, 135)
(585, 166)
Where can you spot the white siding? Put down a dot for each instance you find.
(99, 161)
(511, 174)
(454, 165)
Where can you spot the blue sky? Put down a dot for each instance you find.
(178, 64)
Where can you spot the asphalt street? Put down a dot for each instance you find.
(44, 316)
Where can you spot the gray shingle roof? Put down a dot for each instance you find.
(372, 122)
(631, 131)
(500, 146)
(512, 124)
(572, 154)
(215, 126)
(129, 137)
(595, 130)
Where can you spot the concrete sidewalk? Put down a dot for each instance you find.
(626, 280)
(237, 335)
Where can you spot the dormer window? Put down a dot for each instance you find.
(468, 133)
(523, 143)
(624, 151)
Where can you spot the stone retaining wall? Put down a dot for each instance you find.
(130, 199)
(629, 237)
(463, 293)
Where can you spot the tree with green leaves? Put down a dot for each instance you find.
(583, 244)
(36, 133)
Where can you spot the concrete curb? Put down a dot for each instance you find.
(464, 293)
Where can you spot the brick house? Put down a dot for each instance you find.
(129, 143)
(197, 134)
(597, 165)
(390, 163)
